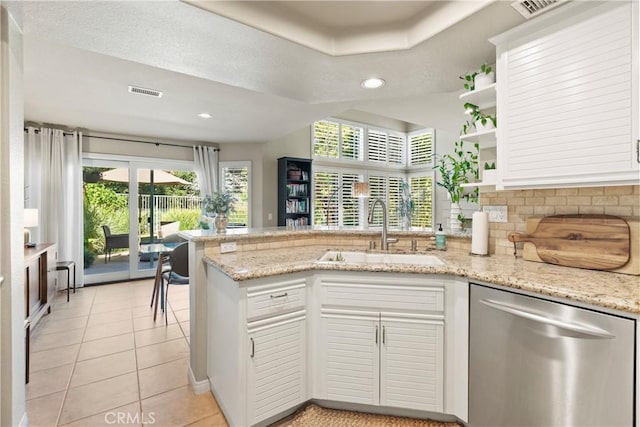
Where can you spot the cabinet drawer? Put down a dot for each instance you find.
(382, 297)
(265, 301)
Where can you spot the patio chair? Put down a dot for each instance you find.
(113, 241)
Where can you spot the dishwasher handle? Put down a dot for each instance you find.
(519, 311)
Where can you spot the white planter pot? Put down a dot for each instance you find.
(454, 223)
(489, 176)
(483, 80)
(483, 128)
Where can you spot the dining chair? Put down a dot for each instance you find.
(178, 273)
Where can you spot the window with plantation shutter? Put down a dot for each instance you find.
(333, 198)
(422, 194)
(421, 148)
(347, 152)
(336, 140)
(326, 138)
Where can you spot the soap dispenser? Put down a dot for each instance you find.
(441, 239)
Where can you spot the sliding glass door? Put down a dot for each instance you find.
(129, 203)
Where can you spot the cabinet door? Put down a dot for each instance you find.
(350, 360)
(411, 364)
(566, 101)
(276, 371)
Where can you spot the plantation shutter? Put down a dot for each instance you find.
(325, 138)
(394, 183)
(236, 181)
(396, 149)
(352, 140)
(422, 194)
(421, 148)
(377, 190)
(325, 185)
(377, 144)
(350, 204)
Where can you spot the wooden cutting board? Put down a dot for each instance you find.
(598, 242)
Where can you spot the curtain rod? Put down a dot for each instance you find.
(130, 140)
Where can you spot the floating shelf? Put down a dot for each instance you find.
(486, 138)
(483, 98)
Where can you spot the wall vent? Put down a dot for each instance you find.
(531, 8)
(145, 91)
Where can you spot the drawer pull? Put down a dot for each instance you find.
(384, 335)
(253, 348)
(376, 334)
(279, 296)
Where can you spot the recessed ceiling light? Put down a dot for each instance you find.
(205, 115)
(373, 83)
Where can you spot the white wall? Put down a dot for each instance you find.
(296, 144)
(12, 314)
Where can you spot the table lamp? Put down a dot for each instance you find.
(30, 220)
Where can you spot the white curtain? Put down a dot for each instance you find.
(206, 164)
(53, 184)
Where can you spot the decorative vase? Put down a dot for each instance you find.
(221, 221)
(454, 222)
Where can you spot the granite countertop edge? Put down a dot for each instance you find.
(604, 289)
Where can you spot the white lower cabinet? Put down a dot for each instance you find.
(411, 364)
(350, 362)
(276, 366)
(381, 342)
(377, 360)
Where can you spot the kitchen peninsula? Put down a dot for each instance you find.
(272, 286)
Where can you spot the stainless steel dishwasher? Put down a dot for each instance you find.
(534, 362)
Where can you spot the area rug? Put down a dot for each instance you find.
(316, 416)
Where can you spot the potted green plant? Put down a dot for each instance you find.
(456, 169)
(485, 77)
(489, 173)
(468, 79)
(482, 121)
(218, 206)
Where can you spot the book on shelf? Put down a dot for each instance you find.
(296, 206)
(297, 190)
(297, 222)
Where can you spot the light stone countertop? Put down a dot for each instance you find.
(610, 290)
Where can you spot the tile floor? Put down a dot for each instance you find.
(101, 360)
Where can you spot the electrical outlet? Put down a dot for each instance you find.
(496, 213)
(270, 217)
(227, 247)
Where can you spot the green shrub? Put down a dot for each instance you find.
(188, 218)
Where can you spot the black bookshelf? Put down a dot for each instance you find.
(294, 192)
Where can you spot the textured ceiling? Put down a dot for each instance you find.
(80, 57)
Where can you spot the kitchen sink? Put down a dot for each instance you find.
(379, 258)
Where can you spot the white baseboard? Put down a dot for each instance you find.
(199, 387)
(24, 422)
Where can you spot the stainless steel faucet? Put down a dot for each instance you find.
(384, 240)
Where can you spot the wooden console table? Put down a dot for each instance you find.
(39, 287)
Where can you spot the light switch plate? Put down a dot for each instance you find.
(496, 213)
(227, 247)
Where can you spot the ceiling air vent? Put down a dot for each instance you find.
(531, 8)
(145, 91)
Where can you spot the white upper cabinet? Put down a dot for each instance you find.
(567, 98)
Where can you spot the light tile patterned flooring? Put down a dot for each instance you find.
(101, 360)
